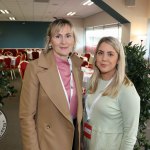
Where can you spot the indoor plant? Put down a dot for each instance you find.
(138, 71)
(6, 89)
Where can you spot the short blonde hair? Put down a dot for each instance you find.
(119, 77)
(54, 28)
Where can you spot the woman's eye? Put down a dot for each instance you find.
(110, 54)
(99, 52)
(57, 36)
(69, 36)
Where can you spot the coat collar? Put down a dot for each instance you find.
(48, 59)
(50, 81)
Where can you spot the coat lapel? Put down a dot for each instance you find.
(50, 81)
(78, 81)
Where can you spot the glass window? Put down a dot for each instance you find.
(94, 34)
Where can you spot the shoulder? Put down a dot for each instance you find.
(129, 102)
(44, 61)
(128, 93)
(31, 69)
(126, 89)
(32, 64)
(37, 64)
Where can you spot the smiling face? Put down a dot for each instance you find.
(63, 42)
(106, 60)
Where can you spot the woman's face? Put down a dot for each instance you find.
(106, 60)
(63, 42)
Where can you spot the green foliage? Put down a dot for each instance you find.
(138, 70)
(6, 89)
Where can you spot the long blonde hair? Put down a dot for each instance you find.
(119, 77)
(54, 28)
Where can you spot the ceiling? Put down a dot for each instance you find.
(29, 10)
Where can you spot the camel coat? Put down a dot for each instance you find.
(45, 119)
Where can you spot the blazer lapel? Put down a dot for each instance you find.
(50, 81)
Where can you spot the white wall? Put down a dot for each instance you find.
(101, 18)
(135, 31)
(79, 31)
(138, 16)
(148, 42)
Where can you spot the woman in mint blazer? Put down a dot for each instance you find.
(112, 104)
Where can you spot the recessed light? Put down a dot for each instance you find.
(12, 18)
(4, 11)
(87, 2)
(7, 12)
(71, 13)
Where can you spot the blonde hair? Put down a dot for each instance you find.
(119, 77)
(54, 28)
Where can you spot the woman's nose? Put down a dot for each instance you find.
(63, 39)
(104, 57)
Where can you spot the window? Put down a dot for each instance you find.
(94, 34)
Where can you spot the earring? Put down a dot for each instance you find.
(50, 46)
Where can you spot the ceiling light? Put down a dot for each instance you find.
(87, 2)
(71, 13)
(90, 3)
(4, 11)
(7, 12)
(68, 14)
(12, 18)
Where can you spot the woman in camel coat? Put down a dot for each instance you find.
(47, 119)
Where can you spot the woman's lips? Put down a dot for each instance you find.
(63, 48)
(103, 65)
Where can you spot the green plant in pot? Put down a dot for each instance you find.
(138, 71)
(6, 89)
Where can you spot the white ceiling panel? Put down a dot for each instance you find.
(28, 10)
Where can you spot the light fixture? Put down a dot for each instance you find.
(90, 3)
(7, 12)
(12, 18)
(71, 13)
(4, 11)
(87, 2)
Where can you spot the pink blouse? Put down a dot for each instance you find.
(65, 73)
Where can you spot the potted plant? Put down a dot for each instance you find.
(6, 89)
(138, 70)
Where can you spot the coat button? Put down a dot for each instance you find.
(48, 126)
